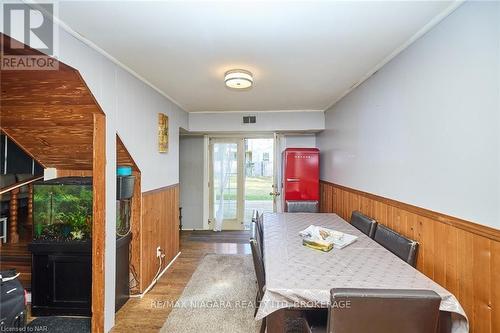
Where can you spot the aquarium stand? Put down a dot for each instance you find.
(122, 287)
(61, 278)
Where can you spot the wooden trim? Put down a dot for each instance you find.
(13, 218)
(74, 173)
(136, 228)
(99, 222)
(159, 189)
(477, 229)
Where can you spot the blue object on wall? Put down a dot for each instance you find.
(124, 171)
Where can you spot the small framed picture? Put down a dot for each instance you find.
(162, 133)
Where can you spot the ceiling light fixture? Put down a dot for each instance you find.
(238, 79)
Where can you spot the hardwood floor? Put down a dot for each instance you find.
(230, 236)
(149, 313)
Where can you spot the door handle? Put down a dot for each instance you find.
(292, 179)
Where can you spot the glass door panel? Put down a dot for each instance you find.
(259, 173)
(226, 190)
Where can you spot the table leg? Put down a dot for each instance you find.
(275, 322)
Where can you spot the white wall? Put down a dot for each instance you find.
(425, 129)
(191, 181)
(299, 141)
(266, 121)
(131, 109)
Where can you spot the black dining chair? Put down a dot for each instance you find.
(363, 223)
(255, 215)
(403, 247)
(260, 232)
(257, 219)
(380, 311)
(302, 206)
(258, 263)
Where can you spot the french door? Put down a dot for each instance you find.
(226, 184)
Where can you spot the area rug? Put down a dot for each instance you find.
(59, 325)
(220, 297)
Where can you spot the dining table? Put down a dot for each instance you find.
(299, 277)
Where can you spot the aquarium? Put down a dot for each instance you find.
(62, 209)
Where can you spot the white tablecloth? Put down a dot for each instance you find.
(297, 276)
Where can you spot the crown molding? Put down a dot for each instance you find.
(256, 112)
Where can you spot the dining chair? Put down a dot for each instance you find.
(258, 264)
(260, 232)
(255, 214)
(380, 311)
(403, 247)
(363, 223)
(302, 206)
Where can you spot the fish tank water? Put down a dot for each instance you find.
(123, 213)
(62, 209)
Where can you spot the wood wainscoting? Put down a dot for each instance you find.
(462, 256)
(160, 227)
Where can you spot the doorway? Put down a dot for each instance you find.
(259, 177)
(226, 183)
(242, 178)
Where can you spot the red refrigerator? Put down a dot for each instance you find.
(301, 178)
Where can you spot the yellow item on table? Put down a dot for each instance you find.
(318, 245)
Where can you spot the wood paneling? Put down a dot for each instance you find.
(99, 222)
(160, 227)
(49, 114)
(74, 173)
(461, 256)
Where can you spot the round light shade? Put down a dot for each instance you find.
(238, 79)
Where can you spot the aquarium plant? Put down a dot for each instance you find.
(62, 209)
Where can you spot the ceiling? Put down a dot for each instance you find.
(304, 55)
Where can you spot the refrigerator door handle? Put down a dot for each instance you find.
(292, 179)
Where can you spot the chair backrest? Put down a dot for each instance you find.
(398, 244)
(383, 311)
(363, 223)
(258, 261)
(260, 232)
(302, 206)
(255, 215)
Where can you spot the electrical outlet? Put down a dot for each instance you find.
(158, 252)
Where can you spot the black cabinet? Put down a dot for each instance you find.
(61, 278)
(122, 289)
